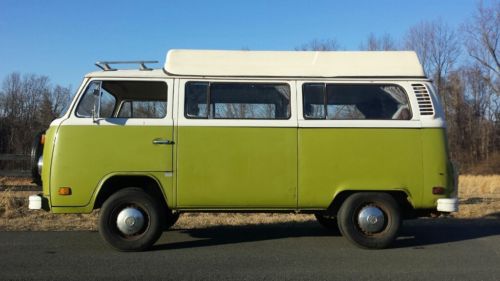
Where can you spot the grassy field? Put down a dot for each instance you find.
(479, 197)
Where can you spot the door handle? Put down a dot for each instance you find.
(162, 141)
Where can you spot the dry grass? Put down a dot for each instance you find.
(480, 196)
(12, 181)
(203, 220)
(15, 215)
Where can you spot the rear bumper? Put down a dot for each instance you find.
(38, 202)
(447, 205)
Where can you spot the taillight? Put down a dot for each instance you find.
(438, 190)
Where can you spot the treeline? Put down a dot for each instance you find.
(464, 64)
(28, 103)
(463, 61)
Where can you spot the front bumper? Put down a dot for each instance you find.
(37, 202)
(447, 205)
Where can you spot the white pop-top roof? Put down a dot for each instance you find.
(293, 63)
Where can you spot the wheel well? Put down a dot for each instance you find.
(116, 183)
(407, 210)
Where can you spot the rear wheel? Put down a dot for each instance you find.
(131, 220)
(370, 220)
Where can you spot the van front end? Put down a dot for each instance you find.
(41, 158)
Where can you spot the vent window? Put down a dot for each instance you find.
(424, 99)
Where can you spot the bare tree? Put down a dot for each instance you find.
(436, 44)
(383, 43)
(481, 42)
(481, 39)
(471, 131)
(320, 45)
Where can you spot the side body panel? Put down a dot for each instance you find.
(86, 155)
(438, 171)
(332, 160)
(237, 167)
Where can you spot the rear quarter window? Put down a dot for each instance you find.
(355, 102)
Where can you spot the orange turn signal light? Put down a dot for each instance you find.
(64, 191)
(42, 139)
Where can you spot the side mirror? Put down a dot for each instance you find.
(97, 104)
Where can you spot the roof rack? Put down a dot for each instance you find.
(104, 65)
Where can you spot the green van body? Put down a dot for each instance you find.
(356, 138)
(246, 168)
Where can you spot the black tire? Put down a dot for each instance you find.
(139, 200)
(36, 152)
(351, 229)
(171, 219)
(327, 221)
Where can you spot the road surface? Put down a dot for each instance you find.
(440, 249)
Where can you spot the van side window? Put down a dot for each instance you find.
(126, 99)
(352, 102)
(237, 100)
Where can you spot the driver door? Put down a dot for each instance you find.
(131, 133)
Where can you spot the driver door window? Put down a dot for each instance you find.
(125, 99)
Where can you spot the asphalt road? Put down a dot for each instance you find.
(442, 249)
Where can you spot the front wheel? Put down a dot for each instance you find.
(370, 220)
(130, 220)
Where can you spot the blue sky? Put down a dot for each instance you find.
(63, 39)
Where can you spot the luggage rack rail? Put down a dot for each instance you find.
(105, 65)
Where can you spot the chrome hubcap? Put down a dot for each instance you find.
(130, 221)
(371, 219)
